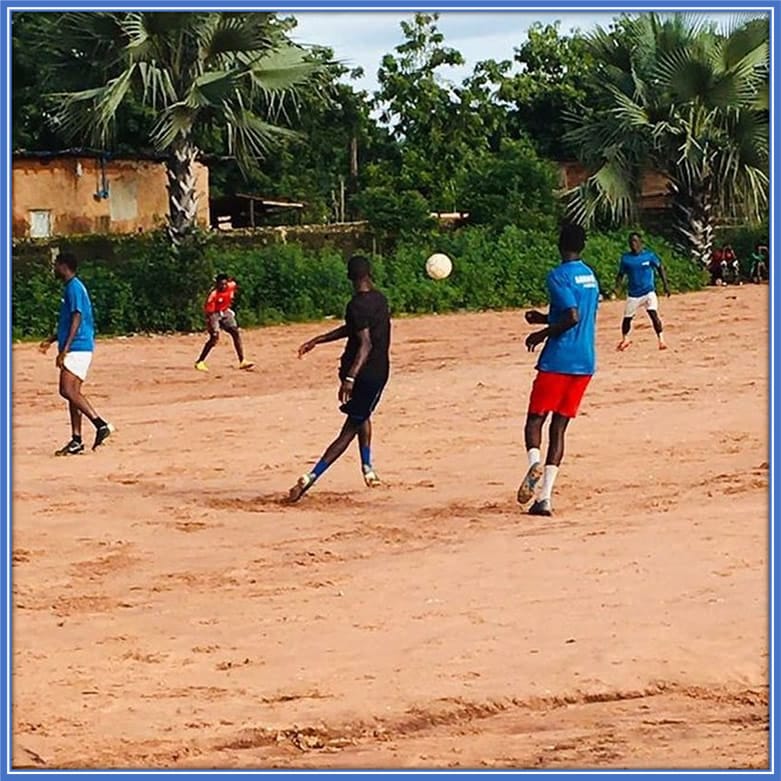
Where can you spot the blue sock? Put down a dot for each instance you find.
(366, 455)
(319, 468)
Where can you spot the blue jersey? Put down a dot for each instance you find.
(639, 270)
(76, 299)
(572, 285)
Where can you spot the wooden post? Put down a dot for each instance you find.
(252, 212)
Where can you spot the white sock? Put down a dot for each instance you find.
(549, 478)
(534, 456)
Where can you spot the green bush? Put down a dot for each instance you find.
(141, 284)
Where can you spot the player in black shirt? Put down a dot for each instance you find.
(363, 372)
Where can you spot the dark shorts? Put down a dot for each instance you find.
(561, 393)
(366, 396)
(221, 320)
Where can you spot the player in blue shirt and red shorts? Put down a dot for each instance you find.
(640, 267)
(565, 367)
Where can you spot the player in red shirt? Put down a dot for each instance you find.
(220, 315)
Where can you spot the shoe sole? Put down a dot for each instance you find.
(529, 483)
(60, 453)
(540, 513)
(372, 482)
(248, 366)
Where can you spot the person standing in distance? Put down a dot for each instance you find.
(565, 366)
(220, 316)
(363, 372)
(640, 267)
(75, 339)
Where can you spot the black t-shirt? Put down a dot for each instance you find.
(370, 310)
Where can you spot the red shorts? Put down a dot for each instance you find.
(553, 392)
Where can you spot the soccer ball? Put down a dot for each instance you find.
(439, 266)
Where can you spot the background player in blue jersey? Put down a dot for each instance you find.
(75, 337)
(640, 267)
(566, 364)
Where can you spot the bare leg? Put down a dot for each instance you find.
(341, 443)
(78, 405)
(237, 345)
(70, 390)
(365, 434)
(533, 430)
(558, 427)
(657, 324)
(533, 437)
(207, 348)
(626, 327)
(365, 447)
(76, 416)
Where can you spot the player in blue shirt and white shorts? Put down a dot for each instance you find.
(565, 367)
(640, 267)
(75, 339)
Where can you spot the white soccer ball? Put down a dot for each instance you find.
(439, 266)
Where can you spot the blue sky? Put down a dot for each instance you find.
(362, 38)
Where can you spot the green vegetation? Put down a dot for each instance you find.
(141, 287)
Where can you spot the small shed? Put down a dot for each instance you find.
(244, 210)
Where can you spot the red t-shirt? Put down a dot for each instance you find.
(220, 300)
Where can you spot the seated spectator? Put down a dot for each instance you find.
(716, 267)
(731, 266)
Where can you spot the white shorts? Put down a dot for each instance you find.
(649, 301)
(78, 363)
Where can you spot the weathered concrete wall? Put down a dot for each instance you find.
(68, 189)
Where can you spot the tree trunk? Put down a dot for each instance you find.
(182, 191)
(693, 215)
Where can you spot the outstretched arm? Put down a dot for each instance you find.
(330, 336)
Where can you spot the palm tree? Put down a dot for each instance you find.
(198, 73)
(688, 102)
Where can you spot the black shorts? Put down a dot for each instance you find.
(365, 398)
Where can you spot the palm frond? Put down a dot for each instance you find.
(745, 38)
(213, 88)
(90, 113)
(629, 113)
(175, 122)
(282, 69)
(234, 33)
(158, 89)
(250, 137)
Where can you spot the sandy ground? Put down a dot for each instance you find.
(168, 611)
